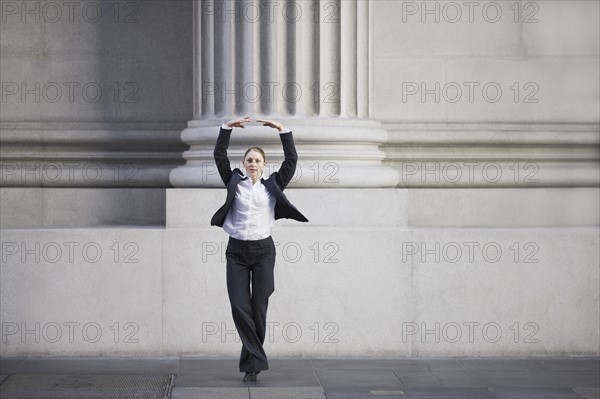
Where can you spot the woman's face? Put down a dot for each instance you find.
(254, 164)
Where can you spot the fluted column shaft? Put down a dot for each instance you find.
(305, 64)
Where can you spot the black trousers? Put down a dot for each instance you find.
(250, 261)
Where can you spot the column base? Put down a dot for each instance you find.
(331, 153)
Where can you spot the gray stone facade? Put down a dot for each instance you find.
(449, 165)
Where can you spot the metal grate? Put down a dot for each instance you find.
(60, 386)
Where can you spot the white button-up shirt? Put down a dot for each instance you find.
(252, 215)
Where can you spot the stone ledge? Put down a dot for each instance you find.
(36, 208)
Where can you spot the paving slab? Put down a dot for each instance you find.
(399, 364)
(362, 364)
(287, 393)
(61, 386)
(500, 364)
(209, 393)
(450, 393)
(198, 372)
(569, 364)
(248, 393)
(102, 365)
(441, 378)
(194, 372)
(537, 379)
(10, 365)
(536, 393)
(373, 394)
(588, 393)
(438, 364)
(358, 384)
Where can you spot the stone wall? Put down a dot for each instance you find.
(94, 94)
(487, 244)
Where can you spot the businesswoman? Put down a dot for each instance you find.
(252, 205)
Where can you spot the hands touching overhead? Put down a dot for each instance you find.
(241, 121)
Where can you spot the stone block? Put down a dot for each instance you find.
(515, 207)
(562, 28)
(81, 292)
(444, 28)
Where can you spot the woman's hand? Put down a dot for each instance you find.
(239, 122)
(273, 124)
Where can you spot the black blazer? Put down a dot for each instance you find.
(275, 184)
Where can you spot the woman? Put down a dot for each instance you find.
(248, 215)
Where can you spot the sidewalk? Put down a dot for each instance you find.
(310, 378)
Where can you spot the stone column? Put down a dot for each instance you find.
(305, 64)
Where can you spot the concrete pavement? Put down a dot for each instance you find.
(333, 378)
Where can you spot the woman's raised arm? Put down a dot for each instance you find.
(220, 152)
(288, 167)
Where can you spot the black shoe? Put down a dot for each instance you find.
(250, 376)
